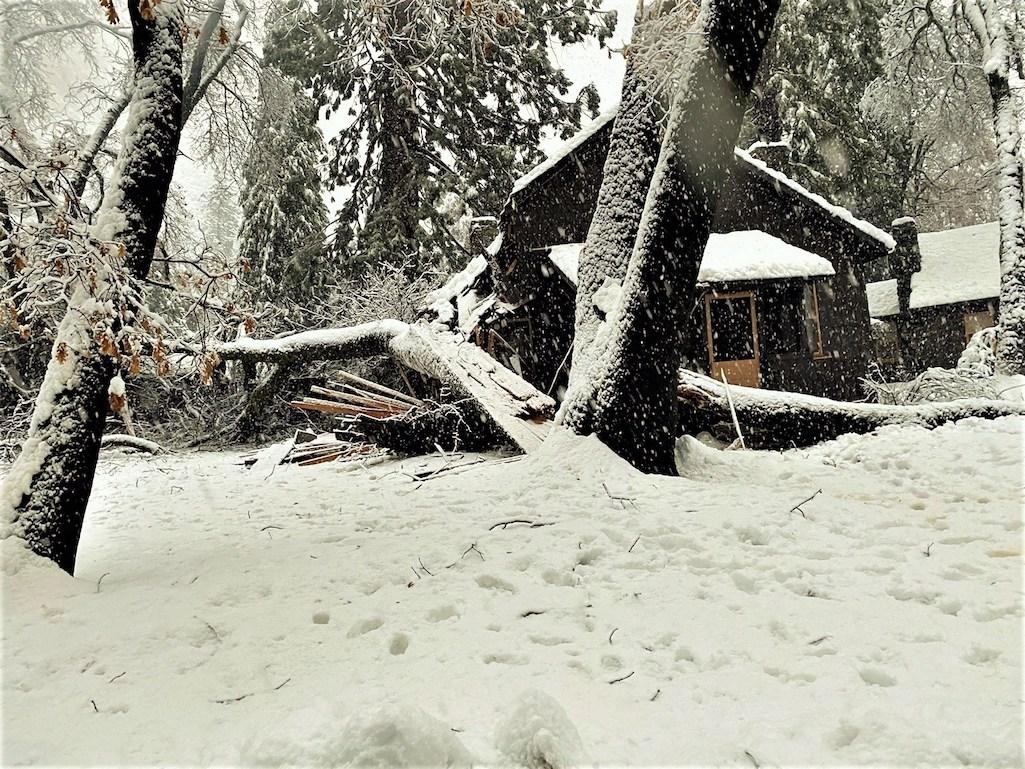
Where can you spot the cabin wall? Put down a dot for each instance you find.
(789, 359)
(558, 208)
(935, 336)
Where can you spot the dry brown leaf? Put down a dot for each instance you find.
(117, 402)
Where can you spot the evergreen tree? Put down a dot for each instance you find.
(220, 221)
(435, 97)
(284, 218)
(821, 59)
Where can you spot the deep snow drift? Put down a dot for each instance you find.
(356, 614)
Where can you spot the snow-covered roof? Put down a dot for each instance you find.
(838, 211)
(731, 256)
(565, 148)
(439, 301)
(960, 265)
(882, 298)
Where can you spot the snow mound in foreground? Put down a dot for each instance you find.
(382, 736)
(538, 734)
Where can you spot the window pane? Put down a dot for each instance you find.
(732, 335)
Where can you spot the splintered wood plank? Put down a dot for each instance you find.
(360, 400)
(380, 388)
(332, 407)
(522, 412)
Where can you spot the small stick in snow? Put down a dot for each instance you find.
(271, 526)
(416, 572)
(655, 695)
(106, 573)
(817, 641)
(531, 524)
(112, 680)
(753, 759)
(797, 508)
(634, 544)
(928, 550)
(622, 500)
(94, 706)
(612, 634)
(617, 680)
(420, 561)
(234, 699)
(474, 549)
(282, 684)
(733, 410)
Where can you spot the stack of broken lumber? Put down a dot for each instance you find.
(328, 448)
(354, 397)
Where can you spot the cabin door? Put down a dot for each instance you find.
(731, 328)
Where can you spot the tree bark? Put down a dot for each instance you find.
(87, 155)
(627, 396)
(48, 488)
(782, 420)
(629, 166)
(1011, 201)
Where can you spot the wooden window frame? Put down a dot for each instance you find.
(711, 296)
(819, 352)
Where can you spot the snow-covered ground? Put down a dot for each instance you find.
(350, 614)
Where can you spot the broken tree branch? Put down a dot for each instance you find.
(780, 420)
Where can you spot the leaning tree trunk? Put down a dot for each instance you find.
(633, 150)
(49, 485)
(1011, 199)
(627, 397)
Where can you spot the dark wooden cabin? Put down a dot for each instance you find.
(946, 286)
(782, 304)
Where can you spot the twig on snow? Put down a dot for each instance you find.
(928, 550)
(106, 573)
(617, 680)
(753, 759)
(112, 680)
(420, 561)
(94, 706)
(230, 700)
(655, 695)
(531, 524)
(612, 634)
(472, 548)
(634, 544)
(797, 508)
(817, 641)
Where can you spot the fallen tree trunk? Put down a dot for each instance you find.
(782, 420)
(498, 398)
(120, 440)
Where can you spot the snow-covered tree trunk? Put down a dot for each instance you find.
(627, 395)
(997, 25)
(45, 495)
(630, 164)
(87, 155)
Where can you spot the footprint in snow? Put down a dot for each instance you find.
(442, 613)
(876, 677)
(491, 582)
(365, 626)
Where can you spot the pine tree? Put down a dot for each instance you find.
(435, 97)
(220, 220)
(284, 218)
(822, 57)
